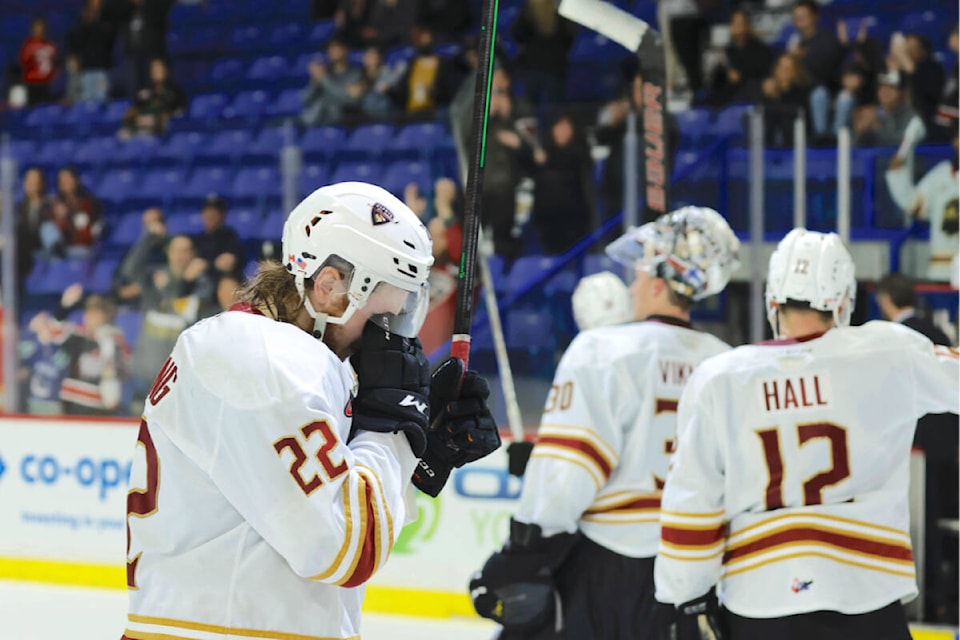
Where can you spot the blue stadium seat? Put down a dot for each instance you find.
(225, 145)
(55, 153)
(527, 270)
(322, 31)
(360, 171)
(246, 38)
(225, 72)
(247, 104)
(95, 152)
(272, 227)
(369, 140)
(83, 114)
(130, 323)
(593, 47)
(207, 106)
(180, 147)
(112, 114)
(45, 116)
(312, 178)
(63, 272)
(398, 175)
(731, 120)
(23, 151)
(208, 180)
(267, 145)
(530, 329)
(322, 142)
(256, 182)
(268, 68)
(418, 139)
(288, 103)
(284, 36)
(118, 184)
(184, 223)
(402, 53)
(136, 150)
(162, 185)
(127, 229)
(301, 66)
(246, 221)
(101, 278)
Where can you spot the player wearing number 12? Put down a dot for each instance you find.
(275, 477)
(789, 485)
(587, 526)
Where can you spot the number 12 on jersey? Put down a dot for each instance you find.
(814, 485)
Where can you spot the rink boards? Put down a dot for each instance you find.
(63, 486)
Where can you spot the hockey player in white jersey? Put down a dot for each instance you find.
(270, 478)
(586, 529)
(788, 489)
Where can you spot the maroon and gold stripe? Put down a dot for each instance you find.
(692, 537)
(581, 446)
(818, 535)
(365, 563)
(636, 504)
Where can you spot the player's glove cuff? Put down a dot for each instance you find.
(393, 410)
(699, 619)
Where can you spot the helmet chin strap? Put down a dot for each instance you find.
(321, 320)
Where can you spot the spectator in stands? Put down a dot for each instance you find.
(894, 122)
(170, 302)
(154, 104)
(75, 224)
(144, 39)
(224, 297)
(563, 192)
(748, 60)
(820, 56)
(934, 198)
(218, 244)
(936, 435)
(38, 59)
(334, 87)
(923, 75)
(146, 254)
(448, 19)
(35, 208)
(510, 143)
(858, 79)
(785, 93)
(40, 368)
(379, 81)
(391, 22)
(544, 39)
(352, 19)
(427, 83)
(92, 44)
(443, 215)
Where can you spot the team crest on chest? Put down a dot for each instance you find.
(380, 214)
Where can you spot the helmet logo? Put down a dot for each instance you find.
(297, 260)
(380, 214)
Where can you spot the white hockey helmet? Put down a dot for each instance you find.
(811, 267)
(381, 246)
(600, 300)
(693, 249)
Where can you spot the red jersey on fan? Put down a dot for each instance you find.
(37, 57)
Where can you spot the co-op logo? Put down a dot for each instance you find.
(103, 475)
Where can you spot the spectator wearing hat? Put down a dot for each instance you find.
(218, 244)
(892, 120)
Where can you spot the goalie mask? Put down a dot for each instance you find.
(693, 249)
(814, 268)
(375, 240)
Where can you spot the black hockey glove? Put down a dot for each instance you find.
(515, 587)
(462, 430)
(698, 619)
(394, 382)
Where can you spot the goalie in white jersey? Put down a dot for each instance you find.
(789, 485)
(587, 523)
(270, 478)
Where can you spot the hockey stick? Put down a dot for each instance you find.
(637, 36)
(467, 275)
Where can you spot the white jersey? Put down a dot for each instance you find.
(789, 484)
(249, 514)
(934, 198)
(607, 433)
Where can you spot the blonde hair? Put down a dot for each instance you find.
(273, 290)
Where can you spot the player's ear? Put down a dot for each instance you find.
(327, 284)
